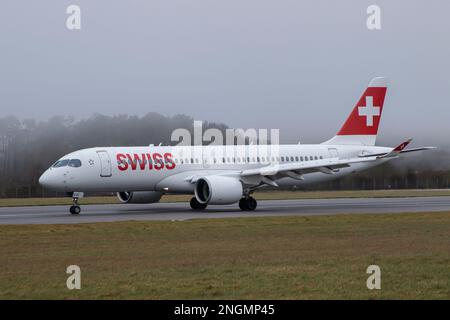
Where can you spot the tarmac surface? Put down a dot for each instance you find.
(182, 211)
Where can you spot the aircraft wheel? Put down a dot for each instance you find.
(248, 204)
(75, 209)
(251, 204)
(195, 205)
(243, 204)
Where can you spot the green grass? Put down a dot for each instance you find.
(267, 195)
(244, 258)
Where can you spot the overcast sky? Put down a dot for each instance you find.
(295, 65)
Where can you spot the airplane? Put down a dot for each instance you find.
(226, 174)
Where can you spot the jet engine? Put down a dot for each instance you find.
(218, 190)
(139, 196)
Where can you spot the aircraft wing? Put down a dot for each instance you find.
(397, 151)
(297, 169)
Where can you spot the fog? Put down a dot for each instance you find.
(295, 65)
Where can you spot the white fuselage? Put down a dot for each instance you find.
(170, 169)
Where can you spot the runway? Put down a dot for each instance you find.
(182, 211)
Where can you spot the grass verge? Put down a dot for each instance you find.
(244, 258)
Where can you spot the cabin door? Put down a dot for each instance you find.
(105, 164)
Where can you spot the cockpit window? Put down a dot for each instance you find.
(75, 163)
(61, 163)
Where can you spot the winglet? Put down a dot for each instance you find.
(397, 150)
(402, 146)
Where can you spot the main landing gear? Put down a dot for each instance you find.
(195, 205)
(248, 204)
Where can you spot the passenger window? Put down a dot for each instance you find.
(282, 159)
(296, 158)
(315, 158)
(75, 163)
(292, 158)
(310, 157)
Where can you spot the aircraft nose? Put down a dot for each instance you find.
(49, 180)
(44, 179)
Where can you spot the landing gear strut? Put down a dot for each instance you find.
(248, 204)
(195, 205)
(75, 208)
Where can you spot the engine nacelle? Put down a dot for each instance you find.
(139, 196)
(218, 190)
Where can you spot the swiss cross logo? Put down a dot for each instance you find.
(369, 111)
(365, 116)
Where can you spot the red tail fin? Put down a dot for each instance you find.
(361, 127)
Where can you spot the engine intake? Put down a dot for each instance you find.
(139, 196)
(218, 190)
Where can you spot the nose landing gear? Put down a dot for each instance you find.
(75, 208)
